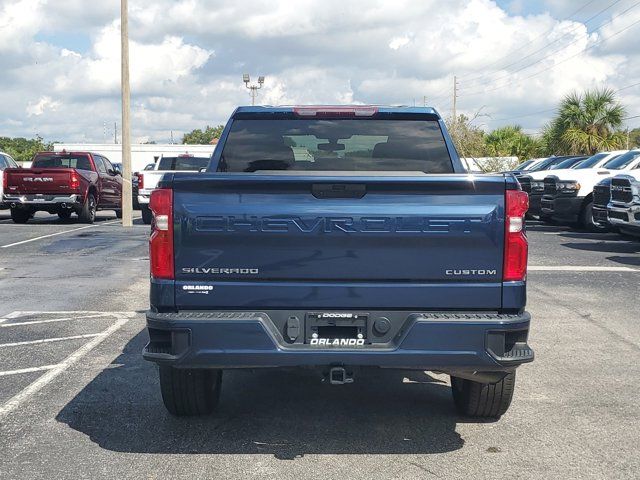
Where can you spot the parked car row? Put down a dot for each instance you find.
(81, 183)
(597, 193)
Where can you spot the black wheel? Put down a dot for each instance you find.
(147, 215)
(483, 400)
(88, 212)
(190, 391)
(118, 213)
(18, 215)
(586, 219)
(64, 214)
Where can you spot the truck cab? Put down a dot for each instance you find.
(338, 239)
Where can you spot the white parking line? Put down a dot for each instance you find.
(51, 320)
(48, 340)
(62, 233)
(579, 268)
(27, 370)
(55, 370)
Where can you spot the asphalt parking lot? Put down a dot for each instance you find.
(83, 403)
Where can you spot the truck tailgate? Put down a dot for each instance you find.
(323, 241)
(38, 180)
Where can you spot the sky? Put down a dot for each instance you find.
(514, 59)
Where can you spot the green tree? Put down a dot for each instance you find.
(23, 149)
(511, 141)
(200, 137)
(634, 138)
(467, 137)
(586, 123)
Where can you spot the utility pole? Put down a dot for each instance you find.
(104, 132)
(455, 99)
(115, 133)
(253, 88)
(127, 203)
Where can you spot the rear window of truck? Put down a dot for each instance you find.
(183, 163)
(80, 162)
(335, 145)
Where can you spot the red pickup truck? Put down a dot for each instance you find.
(63, 183)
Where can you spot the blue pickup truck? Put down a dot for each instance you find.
(339, 238)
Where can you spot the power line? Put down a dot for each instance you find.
(557, 63)
(555, 108)
(558, 50)
(547, 45)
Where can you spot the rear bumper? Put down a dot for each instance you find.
(35, 200)
(448, 342)
(561, 207)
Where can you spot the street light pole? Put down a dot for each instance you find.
(127, 204)
(253, 88)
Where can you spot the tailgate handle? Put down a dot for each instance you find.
(338, 190)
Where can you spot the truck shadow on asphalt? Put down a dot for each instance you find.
(283, 413)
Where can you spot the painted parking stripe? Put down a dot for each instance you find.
(62, 233)
(48, 340)
(55, 234)
(579, 268)
(56, 370)
(51, 320)
(27, 370)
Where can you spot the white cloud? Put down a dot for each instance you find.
(398, 42)
(41, 106)
(187, 57)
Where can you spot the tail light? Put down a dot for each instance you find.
(516, 245)
(161, 239)
(140, 181)
(74, 183)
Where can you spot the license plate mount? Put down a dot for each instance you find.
(336, 328)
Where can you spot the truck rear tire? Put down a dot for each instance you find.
(147, 215)
(88, 212)
(483, 400)
(187, 392)
(19, 215)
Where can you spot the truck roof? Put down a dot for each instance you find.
(403, 109)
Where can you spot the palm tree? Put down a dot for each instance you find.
(589, 122)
